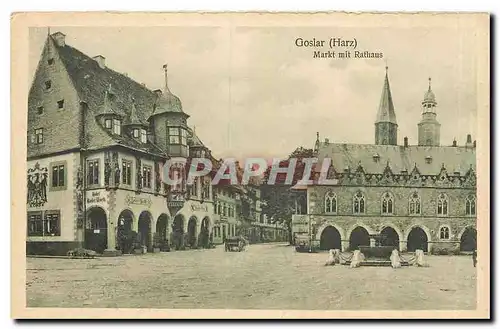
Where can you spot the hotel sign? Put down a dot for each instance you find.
(95, 197)
(138, 201)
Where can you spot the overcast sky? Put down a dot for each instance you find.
(251, 92)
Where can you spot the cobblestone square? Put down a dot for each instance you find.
(268, 276)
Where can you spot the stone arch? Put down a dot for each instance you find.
(192, 232)
(468, 238)
(359, 236)
(205, 236)
(144, 229)
(366, 227)
(96, 230)
(161, 228)
(126, 218)
(390, 236)
(325, 225)
(178, 228)
(395, 228)
(126, 225)
(417, 240)
(330, 238)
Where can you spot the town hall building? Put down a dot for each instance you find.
(411, 197)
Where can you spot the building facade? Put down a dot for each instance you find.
(408, 196)
(98, 142)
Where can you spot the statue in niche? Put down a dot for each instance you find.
(107, 173)
(138, 174)
(117, 174)
(157, 178)
(107, 169)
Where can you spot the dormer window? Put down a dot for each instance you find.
(60, 104)
(428, 159)
(39, 110)
(144, 136)
(136, 133)
(107, 123)
(376, 157)
(48, 84)
(117, 128)
(50, 61)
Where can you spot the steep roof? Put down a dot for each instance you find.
(400, 158)
(386, 107)
(94, 85)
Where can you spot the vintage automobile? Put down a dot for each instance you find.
(236, 243)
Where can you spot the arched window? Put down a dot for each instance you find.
(470, 205)
(359, 203)
(444, 233)
(387, 203)
(414, 204)
(442, 205)
(330, 203)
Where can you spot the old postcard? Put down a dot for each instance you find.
(250, 165)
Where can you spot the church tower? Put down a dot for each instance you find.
(429, 127)
(386, 126)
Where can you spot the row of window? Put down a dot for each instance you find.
(205, 188)
(176, 135)
(46, 223)
(93, 173)
(387, 204)
(220, 232)
(224, 209)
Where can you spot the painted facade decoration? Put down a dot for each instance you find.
(37, 185)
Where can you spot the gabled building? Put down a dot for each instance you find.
(97, 144)
(411, 197)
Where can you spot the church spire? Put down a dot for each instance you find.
(386, 107)
(386, 124)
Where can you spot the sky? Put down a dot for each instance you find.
(251, 92)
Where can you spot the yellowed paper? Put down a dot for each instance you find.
(146, 165)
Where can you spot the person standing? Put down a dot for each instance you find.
(474, 257)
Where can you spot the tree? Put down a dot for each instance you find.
(279, 199)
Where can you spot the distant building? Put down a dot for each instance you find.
(412, 196)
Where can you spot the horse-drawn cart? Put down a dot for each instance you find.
(237, 243)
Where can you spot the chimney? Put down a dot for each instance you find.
(101, 61)
(158, 92)
(406, 141)
(454, 142)
(59, 38)
(327, 141)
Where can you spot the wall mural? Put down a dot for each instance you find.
(37, 185)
